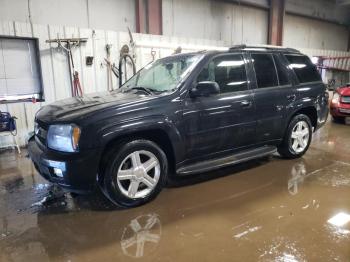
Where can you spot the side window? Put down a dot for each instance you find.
(303, 68)
(228, 71)
(264, 70)
(281, 71)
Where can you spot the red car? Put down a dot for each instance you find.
(340, 103)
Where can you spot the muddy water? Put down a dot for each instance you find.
(263, 210)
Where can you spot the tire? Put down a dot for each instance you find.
(126, 182)
(294, 147)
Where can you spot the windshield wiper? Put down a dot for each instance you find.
(146, 89)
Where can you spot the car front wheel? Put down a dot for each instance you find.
(297, 138)
(135, 173)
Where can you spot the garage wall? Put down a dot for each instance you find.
(231, 23)
(106, 14)
(310, 33)
(93, 78)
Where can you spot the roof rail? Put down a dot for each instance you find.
(263, 47)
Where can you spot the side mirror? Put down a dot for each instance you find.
(205, 88)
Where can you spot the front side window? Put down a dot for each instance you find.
(164, 74)
(265, 70)
(228, 71)
(303, 68)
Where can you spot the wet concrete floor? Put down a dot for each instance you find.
(264, 210)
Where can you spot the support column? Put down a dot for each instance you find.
(277, 10)
(149, 16)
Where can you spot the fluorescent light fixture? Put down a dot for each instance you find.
(297, 65)
(339, 219)
(236, 83)
(231, 63)
(314, 60)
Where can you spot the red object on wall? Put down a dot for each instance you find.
(149, 17)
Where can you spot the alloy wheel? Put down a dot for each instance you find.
(138, 174)
(300, 136)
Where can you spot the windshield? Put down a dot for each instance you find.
(164, 74)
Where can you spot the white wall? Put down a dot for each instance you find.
(215, 20)
(310, 33)
(97, 14)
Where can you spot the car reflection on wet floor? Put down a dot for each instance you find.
(264, 210)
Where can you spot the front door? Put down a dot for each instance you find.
(224, 122)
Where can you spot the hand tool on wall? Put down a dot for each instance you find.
(153, 54)
(109, 68)
(71, 43)
(124, 59)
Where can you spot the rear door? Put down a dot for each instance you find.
(267, 98)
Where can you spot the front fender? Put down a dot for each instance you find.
(114, 130)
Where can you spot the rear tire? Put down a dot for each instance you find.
(297, 138)
(135, 173)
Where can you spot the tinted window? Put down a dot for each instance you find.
(228, 71)
(303, 68)
(264, 70)
(281, 71)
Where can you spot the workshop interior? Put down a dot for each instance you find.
(175, 130)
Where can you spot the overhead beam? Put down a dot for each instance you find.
(149, 17)
(343, 2)
(276, 17)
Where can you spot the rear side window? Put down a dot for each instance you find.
(281, 71)
(228, 71)
(303, 68)
(265, 70)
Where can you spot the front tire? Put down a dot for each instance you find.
(135, 173)
(297, 138)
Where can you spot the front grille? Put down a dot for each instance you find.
(345, 99)
(344, 110)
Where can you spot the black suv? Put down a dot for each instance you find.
(181, 115)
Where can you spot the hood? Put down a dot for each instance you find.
(71, 109)
(344, 91)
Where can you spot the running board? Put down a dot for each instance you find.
(209, 165)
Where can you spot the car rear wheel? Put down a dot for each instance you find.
(297, 138)
(135, 173)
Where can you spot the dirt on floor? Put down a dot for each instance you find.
(269, 209)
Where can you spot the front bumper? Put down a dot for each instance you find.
(342, 110)
(79, 170)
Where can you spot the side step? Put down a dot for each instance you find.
(209, 165)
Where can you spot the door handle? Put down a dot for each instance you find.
(246, 103)
(291, 97)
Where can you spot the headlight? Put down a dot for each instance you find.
(335, 99)
(63, 138)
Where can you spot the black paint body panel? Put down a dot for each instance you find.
(198, 128)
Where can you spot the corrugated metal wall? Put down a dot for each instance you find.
(231, 23)
(93, 78)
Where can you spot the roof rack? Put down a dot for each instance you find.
(263, 47)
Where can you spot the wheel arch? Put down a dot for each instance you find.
(156, 135)
(309, 111)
